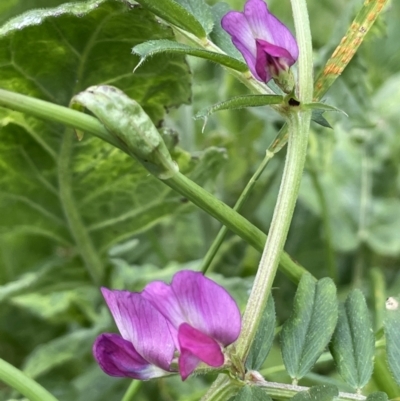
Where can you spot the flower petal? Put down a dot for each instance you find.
(271, 60)
(199, 301)
(267, 27)
(143, 325)
(117, 357)
(195, 347)
(237, 26)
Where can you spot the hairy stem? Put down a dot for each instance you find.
(297, 147)
(298, 128)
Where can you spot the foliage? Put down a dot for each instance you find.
(77, 214)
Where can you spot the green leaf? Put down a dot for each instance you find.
(392, 333)
(308, 330)
(318, 109)
(263, 339)
(150, 48)
(127, 122)
(239, 102)
(59, 351)
(201, 10)
(323, 392)
(353, 343)
(251, 393)
(176, 14)
(219, 36)
(322, 107)
(377, 396)
(54, 189)
(317, 117)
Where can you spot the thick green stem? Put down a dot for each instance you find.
(76, 226)
(17, 380)
(298, 127)
(242, 198)
(295, 159)
(221, 390)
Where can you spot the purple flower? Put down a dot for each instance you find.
(265, 43)
(193, 316)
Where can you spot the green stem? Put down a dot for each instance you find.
(298, 128)
(287, 391)
(17, 380)
(77, 227)
(231, 219)
(53, 112)
(221, 390)
(132, 390)
(200, 197)
(295, 159)
(243, 196)
(326, 223)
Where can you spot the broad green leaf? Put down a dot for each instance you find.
(323, 392)
(219, 36)
(377, 396)
(307, 332)
(392, 333)
(11, 8)
(176, 14)
(150, 48)
(251, 393)
(263, 340)
(55, 189)
(353, 343)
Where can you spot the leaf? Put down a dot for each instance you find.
(308, 330)
(262, 342)
(150, 48)
(219, 36)
(318, 109)
(174, 13)
(322, 107)
(323, 392)
(317, 117)
(201, 10)
(11, 8)
(251, 393)
(107, 190)
(129, 124)
(60, 350)
(392, 332)
(377, 396)
(239, 102)
(353, 343)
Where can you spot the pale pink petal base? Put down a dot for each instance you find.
(196, 347)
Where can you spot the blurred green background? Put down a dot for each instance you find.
(346, 224)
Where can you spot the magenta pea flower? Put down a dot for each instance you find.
(266, 44)
(193, 318)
